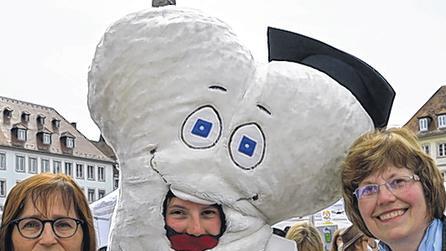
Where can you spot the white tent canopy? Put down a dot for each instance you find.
(102, 211)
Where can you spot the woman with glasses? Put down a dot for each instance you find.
(394, 192)
(47, 212)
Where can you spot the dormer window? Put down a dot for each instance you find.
(441, 121)
(7, 113)
(69, 142)
(25, 117)
(46, 138)
(56, 123)
(21, 134)
(40, 120)
(423, 124)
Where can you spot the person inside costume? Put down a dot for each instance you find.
(192, 226)
(47, 212)
(394, 191)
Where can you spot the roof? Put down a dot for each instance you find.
(104, 147)
(83, 148)
(434, 106)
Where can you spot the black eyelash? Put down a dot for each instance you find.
(217, 87)
(261, 107)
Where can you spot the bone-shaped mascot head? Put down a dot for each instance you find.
(186, 108)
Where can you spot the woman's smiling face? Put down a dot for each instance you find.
(192, 218)
(395, 216)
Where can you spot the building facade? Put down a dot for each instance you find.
(36, 138)
(429, 123)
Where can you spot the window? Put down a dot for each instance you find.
(57, 166)
(101, 173)
(69, 142)
(90, 172)
(426, 148)
(424, 124)
(45, 165)
(69, 168)
(32, 165)
(101, 194)
(21, 134)
(116, 183)
(90, 195)
(7, 113)
(25, 117)
(442, 121)
(79, 171)
(40, 120)
(2, 161)
(56, 123)
(2, 188)
(46, 138)
(20, 163)
(441, 150)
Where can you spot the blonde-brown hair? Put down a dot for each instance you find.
(336, 235)
(41, 189)
(374, 152)
(306, 237)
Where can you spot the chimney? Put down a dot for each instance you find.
(73, 124)
(161, 3)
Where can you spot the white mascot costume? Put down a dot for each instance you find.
(187, 109)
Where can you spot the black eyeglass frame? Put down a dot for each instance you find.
(16, 222)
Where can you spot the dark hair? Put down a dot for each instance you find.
(336, 235)
(40, 189)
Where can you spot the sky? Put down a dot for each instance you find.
(47, 46)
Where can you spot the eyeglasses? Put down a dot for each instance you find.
(32, 228)
(395, 185)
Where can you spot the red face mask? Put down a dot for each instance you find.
(186, 242)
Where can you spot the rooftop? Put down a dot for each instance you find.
(38, 119)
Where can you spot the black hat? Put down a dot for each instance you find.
(368, 86)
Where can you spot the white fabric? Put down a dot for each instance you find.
(102, 211)
(153, 73)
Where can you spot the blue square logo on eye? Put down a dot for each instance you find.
(247, 146)
(202, 128)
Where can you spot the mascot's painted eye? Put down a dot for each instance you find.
(202, 128)
(247, 146)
